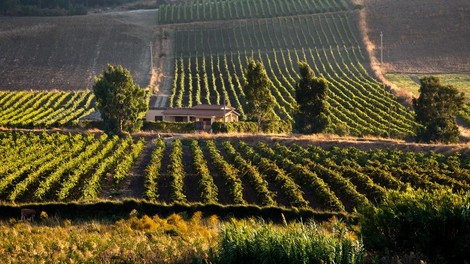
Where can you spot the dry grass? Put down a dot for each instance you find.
(135, 240)
(330, 140)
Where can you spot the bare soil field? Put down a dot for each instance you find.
(67, 52)
(429, 36)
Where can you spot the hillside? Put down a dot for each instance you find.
(65, 53)
(420, 36)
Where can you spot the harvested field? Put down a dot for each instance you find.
(420, 36)
(67, 52)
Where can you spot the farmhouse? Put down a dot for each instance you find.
(204, 115)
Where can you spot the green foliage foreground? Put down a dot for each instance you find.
(436, 224)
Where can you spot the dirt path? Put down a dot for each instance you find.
(164, 60)
(190, 180)
(163, 181)
(133, 184)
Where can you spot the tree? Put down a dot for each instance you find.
(436, 110)
(122, 103)
(259, 100)
(311, 94)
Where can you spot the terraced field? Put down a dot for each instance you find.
(210, 59)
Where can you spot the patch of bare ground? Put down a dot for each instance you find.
(163, 186)
(190, 179)
(68, 52)
(419, 36)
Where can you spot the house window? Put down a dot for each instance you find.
(179, 119)
(158, 118)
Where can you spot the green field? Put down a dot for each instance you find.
(61, 167)
(459, 81)
(211, 72)
(411, 82)
(69, 167)
(44, 109)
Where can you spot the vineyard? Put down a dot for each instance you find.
(67, 167)
(61, 167)
(44, 109)
(211, 72)
(203, 10)
(335, 179)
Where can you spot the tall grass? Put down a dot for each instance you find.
(175, 239)
(258, 242)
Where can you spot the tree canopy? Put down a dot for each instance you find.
(259, 100)
(436, 110)
(122, 103)
(311, 94)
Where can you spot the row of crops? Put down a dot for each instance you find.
(206, 10)
(211, 72)
(61, 167)
(44, 108)
(336, 179)
(65, 167)
(465, 114)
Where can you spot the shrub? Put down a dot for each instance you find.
(435, 223)
(235, 127)
(170, 127)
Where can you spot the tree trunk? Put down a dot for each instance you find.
(119, 126)
(259, 123)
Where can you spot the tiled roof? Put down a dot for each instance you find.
(197, 112)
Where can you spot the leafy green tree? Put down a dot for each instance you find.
(311, 94)
(259, 100)
(122, 103)
(436, 110)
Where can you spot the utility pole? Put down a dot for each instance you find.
(225, 121)
(151, 58)
(381, 49)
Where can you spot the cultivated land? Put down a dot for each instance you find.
(86, 180)
(65, 53)
(420, 37)
(260, 171)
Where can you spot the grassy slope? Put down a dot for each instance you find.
(410, 82)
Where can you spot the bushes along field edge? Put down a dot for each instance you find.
(121, 209)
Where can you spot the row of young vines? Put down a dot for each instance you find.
(62, 167)
(307, 176)
(211, 72)
(206, 10)
(44, 109)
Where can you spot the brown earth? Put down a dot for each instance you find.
(429, 36)
(67, 52)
